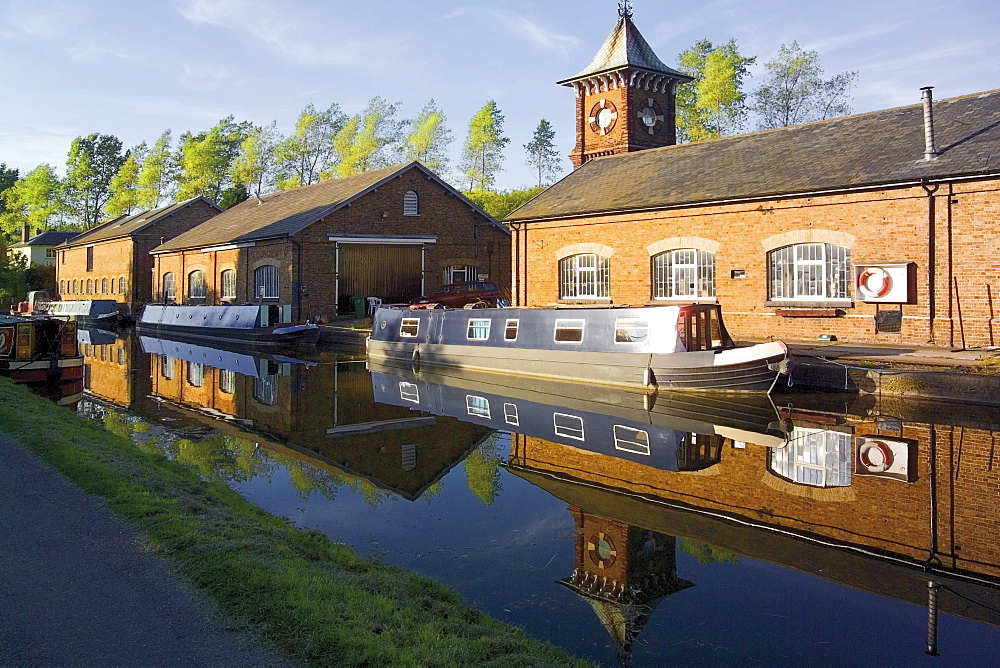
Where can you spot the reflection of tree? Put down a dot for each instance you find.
(219, 456)
(707, 554)
(482, 470)
(432, 492)
(308, 479)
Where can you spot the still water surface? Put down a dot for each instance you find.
(624, 528)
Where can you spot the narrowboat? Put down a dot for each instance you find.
(251, 325)
(87, 310)
(678, 347)
(40, 351)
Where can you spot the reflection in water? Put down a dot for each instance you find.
(690, 529)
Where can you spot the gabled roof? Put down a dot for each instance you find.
(47, 238)
(875, 149)
(288, 212)
(124, 226)
(625, 47)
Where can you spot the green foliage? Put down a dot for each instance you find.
(8, 177)
(368, 141)
(428, 139)
(125, 185)
(794, 90)
(542, 154)
(206, 161)
(500, 204)
(13, 278)
(33, 201)
(309, 150)
(156, 174)
(714, 104)
(483, 154)
(253, 168)
(93, 161)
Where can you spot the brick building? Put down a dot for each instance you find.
(393, 233)
(112, 261)
(874, 227)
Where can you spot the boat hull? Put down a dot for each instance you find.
(235, 325)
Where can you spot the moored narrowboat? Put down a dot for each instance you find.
(39, 351)
(678, 347)
(244, 325)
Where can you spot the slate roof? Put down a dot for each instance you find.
(285, 213)
(624, 47)
(47, 238)
(124, 226)
(866, 150)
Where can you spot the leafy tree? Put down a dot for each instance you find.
(428, 139)
(309, 150)
(8, 177)
(13, 278)
(93, 161)
(794, 90)
(483, 154)
(156, 174)
(206, 161)
(499, 204)
(254, 166)
(714, 104)
(125, 192)
(367, 141)
(31, 201)
(542, 154)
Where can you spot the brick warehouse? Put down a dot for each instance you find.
(112, 261)
(393, 234)
(878, 227)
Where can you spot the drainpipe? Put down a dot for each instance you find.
(931, 258)
(930, 152)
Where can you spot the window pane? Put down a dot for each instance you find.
(479, 329)
(569, 426)
(478, 406)
(569, 330)
(409, 327)
(510, 330)
(631, 330)
(266, 282)
(631, 440)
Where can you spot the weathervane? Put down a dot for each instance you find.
(625, 9)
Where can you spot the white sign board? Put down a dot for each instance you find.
(882, 283)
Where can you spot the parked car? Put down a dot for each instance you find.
(458, 295)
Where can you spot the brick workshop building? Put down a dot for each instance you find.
(112, 261)
(878, 227)
(393, 233)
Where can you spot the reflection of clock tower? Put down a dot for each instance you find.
(625, 97)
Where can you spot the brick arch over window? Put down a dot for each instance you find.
(831, 237)
(673, 243)
(581, 249)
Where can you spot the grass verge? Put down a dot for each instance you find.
(312, 597)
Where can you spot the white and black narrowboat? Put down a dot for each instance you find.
(683, 347)
(252, 325)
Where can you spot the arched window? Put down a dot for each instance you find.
(195, 374)
(684, 273)
(265, 281)
(811, 271)
(227, 279)
(104, 286)
(196, 284)
(62, 287)
(169, 291)
(227, 381)
(121, 285)
(113, 282)
(90, 286)
(76, 287)
(411, 204)
(586, 276)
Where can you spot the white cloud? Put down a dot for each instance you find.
(521, 27)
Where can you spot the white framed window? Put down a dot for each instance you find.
(169, 289)
(167, 367)
(685, 273)
(104, 286)
(411, 203)
(510, 414)
(510, 330)
(479, 329)
(265, 389)
(631, 330)
(628, 439)
(265, 282)
(195, 374)
(409, 392)
(121, 285)
(584, 276)
(569, 331)
(196, 284)
(90, 286)
(228, 281)
(227, 381)
(464, 274)
(812, 271)
(817, 457)
(477, 406)
(409, 327)
(50, 253)
(568, 426)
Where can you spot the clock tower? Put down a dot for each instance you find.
(625, 98)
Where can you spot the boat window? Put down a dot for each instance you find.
(814, 457)
(510, 330)
(479, 329)
(409, 327)
(569, 426)
(195, 374)
(631, 330)
(478, 406)
(227, 381)
(510, 414)
(699, 328)
(569, 331)
(409, 392)
(631, 440)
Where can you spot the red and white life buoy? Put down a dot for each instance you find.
(875, 456)
(874, 282)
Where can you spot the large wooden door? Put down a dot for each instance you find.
(391, 272)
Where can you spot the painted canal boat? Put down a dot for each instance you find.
(87, 310)
(40, 351)
(251, 325)
(678, 347)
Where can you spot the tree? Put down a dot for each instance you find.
(93, 161)
(156, 174)
(206, 160)
(794, 90)
(308, 151)
(125, 184)
(499, 204)
(368, 141)
(32, 201)
(254, 166)
(714, 104)
(428, 139)
(483, 154)
(8, 177)
(542, 154)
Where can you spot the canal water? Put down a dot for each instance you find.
(626, 528)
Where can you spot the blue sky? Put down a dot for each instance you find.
(134, 69)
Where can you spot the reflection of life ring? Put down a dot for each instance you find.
(877, 277)
(875, 456)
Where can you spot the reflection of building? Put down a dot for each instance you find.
(116, 368)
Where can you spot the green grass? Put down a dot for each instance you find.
(312, 597)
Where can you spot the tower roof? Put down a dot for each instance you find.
(624, 48)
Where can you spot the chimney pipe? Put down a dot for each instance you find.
(930, 152)
(25, 233)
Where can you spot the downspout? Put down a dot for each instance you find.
(336, 277)
(517, 264)
(932, 260)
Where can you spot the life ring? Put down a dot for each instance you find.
(875, 456)
(415, 361)
(882, 280)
